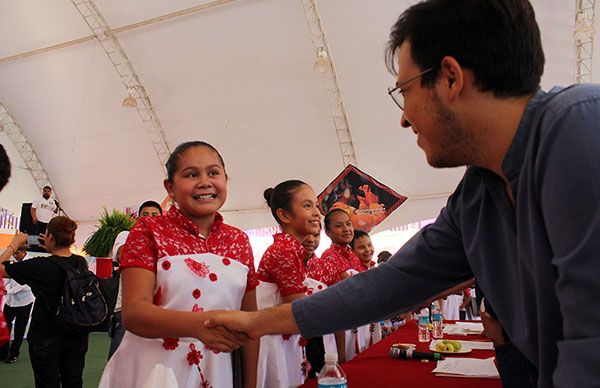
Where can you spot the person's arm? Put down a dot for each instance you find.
(568, 173)
(17, 240)
(273, 320)
(431, 262)
(340, 344)
(251, 349)
(292, 297)
(466, 300)
(33, 214)
(145, 319)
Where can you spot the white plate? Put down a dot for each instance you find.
(464, 349)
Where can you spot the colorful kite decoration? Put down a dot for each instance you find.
(366, 200)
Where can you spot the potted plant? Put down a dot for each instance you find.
(100, 243)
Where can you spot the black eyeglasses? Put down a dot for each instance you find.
(397, 92)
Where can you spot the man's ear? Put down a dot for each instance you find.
(452, 75)
(284, 216)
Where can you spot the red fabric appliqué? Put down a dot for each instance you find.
(302, 341)
(166, 265)
(226, 261)
(213, 277)
(197, 309)
(200, 269)
(170, 343)
(193, 358)
(196, 293)
(286, 337)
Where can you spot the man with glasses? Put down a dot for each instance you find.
(525, 218)
(19, 300)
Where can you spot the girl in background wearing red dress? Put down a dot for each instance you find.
(337, 263)
(363, 249)
(281, 273)
(175, 269)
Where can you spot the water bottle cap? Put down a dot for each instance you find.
(331, 357)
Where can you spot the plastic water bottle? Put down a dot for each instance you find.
(437, 318)
(332, 375)
(424, 325)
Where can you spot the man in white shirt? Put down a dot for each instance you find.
(43, 209)
(116, 330)
(19, 300)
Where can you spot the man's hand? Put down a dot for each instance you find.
(237, 321)
(218, 337)
(491, 327)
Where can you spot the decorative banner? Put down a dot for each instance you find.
(8, 219)
(366, 200)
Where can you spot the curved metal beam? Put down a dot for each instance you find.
(326, 68)
(34, 166)
(106, 37)
(584, 39)
(129, 27)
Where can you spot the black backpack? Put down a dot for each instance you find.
(82, 307)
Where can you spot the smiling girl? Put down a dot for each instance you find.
(337, 263)
(281, 273)
(176, 268)
(363, 249)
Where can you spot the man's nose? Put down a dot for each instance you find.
(404, 121)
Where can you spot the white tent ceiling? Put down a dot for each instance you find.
(239, 76)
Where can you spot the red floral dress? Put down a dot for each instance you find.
(193, 273)
(336, 260)
(282, 361)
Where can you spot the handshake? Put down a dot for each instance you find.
(227, 330)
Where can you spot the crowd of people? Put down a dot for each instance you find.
(195, 312)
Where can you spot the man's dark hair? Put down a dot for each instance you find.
(4, 167)
(499, 40)
(46, 187)
(150, 204)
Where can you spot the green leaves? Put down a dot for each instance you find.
(100, 243)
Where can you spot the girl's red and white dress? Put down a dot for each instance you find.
(193, 273)
(314, 286)
(281, 362)
(336, 260)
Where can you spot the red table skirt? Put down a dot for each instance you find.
(374, 368)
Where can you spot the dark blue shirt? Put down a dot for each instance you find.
(538, 262)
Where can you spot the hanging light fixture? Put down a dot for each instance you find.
(322, 63)
(129, 101)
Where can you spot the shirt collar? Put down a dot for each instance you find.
(188, 225)
(342, 250)
(287, 238)
(513, 160)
